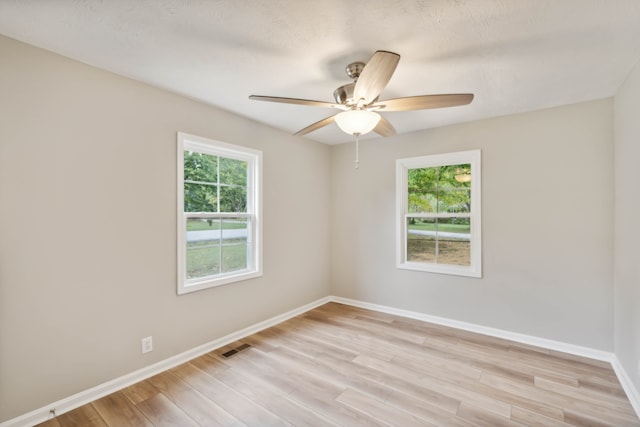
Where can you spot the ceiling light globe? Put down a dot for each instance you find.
(357, 122)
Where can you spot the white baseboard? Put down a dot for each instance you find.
(82, 398)
(627, 384)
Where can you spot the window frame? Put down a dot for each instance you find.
(253, 211)
(403, 165)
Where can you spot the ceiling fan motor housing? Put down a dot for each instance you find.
(344, 94)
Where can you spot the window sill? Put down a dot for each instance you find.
(441, 269)
(206, 283)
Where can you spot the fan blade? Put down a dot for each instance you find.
(317, 125)
(297, 101)
(384, 128)
(424, 102)
(375, 76)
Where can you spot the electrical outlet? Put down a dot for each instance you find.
(147, 345)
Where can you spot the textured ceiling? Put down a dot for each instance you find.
(514, 55)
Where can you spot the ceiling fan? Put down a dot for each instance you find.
(359, 100)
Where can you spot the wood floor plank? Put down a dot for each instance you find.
(164, 413)
(556, 363)
(204, 411)
(429, 365)
(349, 339)
(578, 418)
(520, 395)
(598, 387)
(314, 346)
(326, 371)
(446, 387)
(116, 410)
(381, 330)
(396, 384)
(340, 338)
(298, 371)
(299, 385)
(606, 366)
(234, 403)
(379, 410)
(338, 365)
(53, 422)
(616, 408)
(552, 398)
(535, 419)
(257, 390)
(338, 414)
(139, 392)
(84, 416)
(503, 362)
(305, 389)
(352, 311)
(478, 416)
(257, 366)
(262, 343)
(209, 364)
(422, 407)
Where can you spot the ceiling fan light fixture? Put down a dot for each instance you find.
(357, 122)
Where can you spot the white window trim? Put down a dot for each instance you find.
(254, 210)
(402, 167)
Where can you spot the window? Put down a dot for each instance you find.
(438, 213)
(219, 205)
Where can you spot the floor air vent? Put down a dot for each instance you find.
(235, 350)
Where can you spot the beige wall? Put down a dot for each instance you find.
(88, 227)
(547, 211)
(627, 228)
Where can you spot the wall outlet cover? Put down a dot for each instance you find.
(147, 345)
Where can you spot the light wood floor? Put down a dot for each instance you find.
(344, 366)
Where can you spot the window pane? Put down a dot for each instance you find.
(233, 199)
(439, 189)
(454, 241)
(200, 167)
(200, 224)
(421, 240)
(233, 172)
(203, 247)
(235, 244)
(439, 240)
(454, 188)
(455, 176)
(200, 198)
(421, 189)
(234, 228)
(454, 200)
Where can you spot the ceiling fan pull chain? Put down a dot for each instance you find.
(357, 138)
